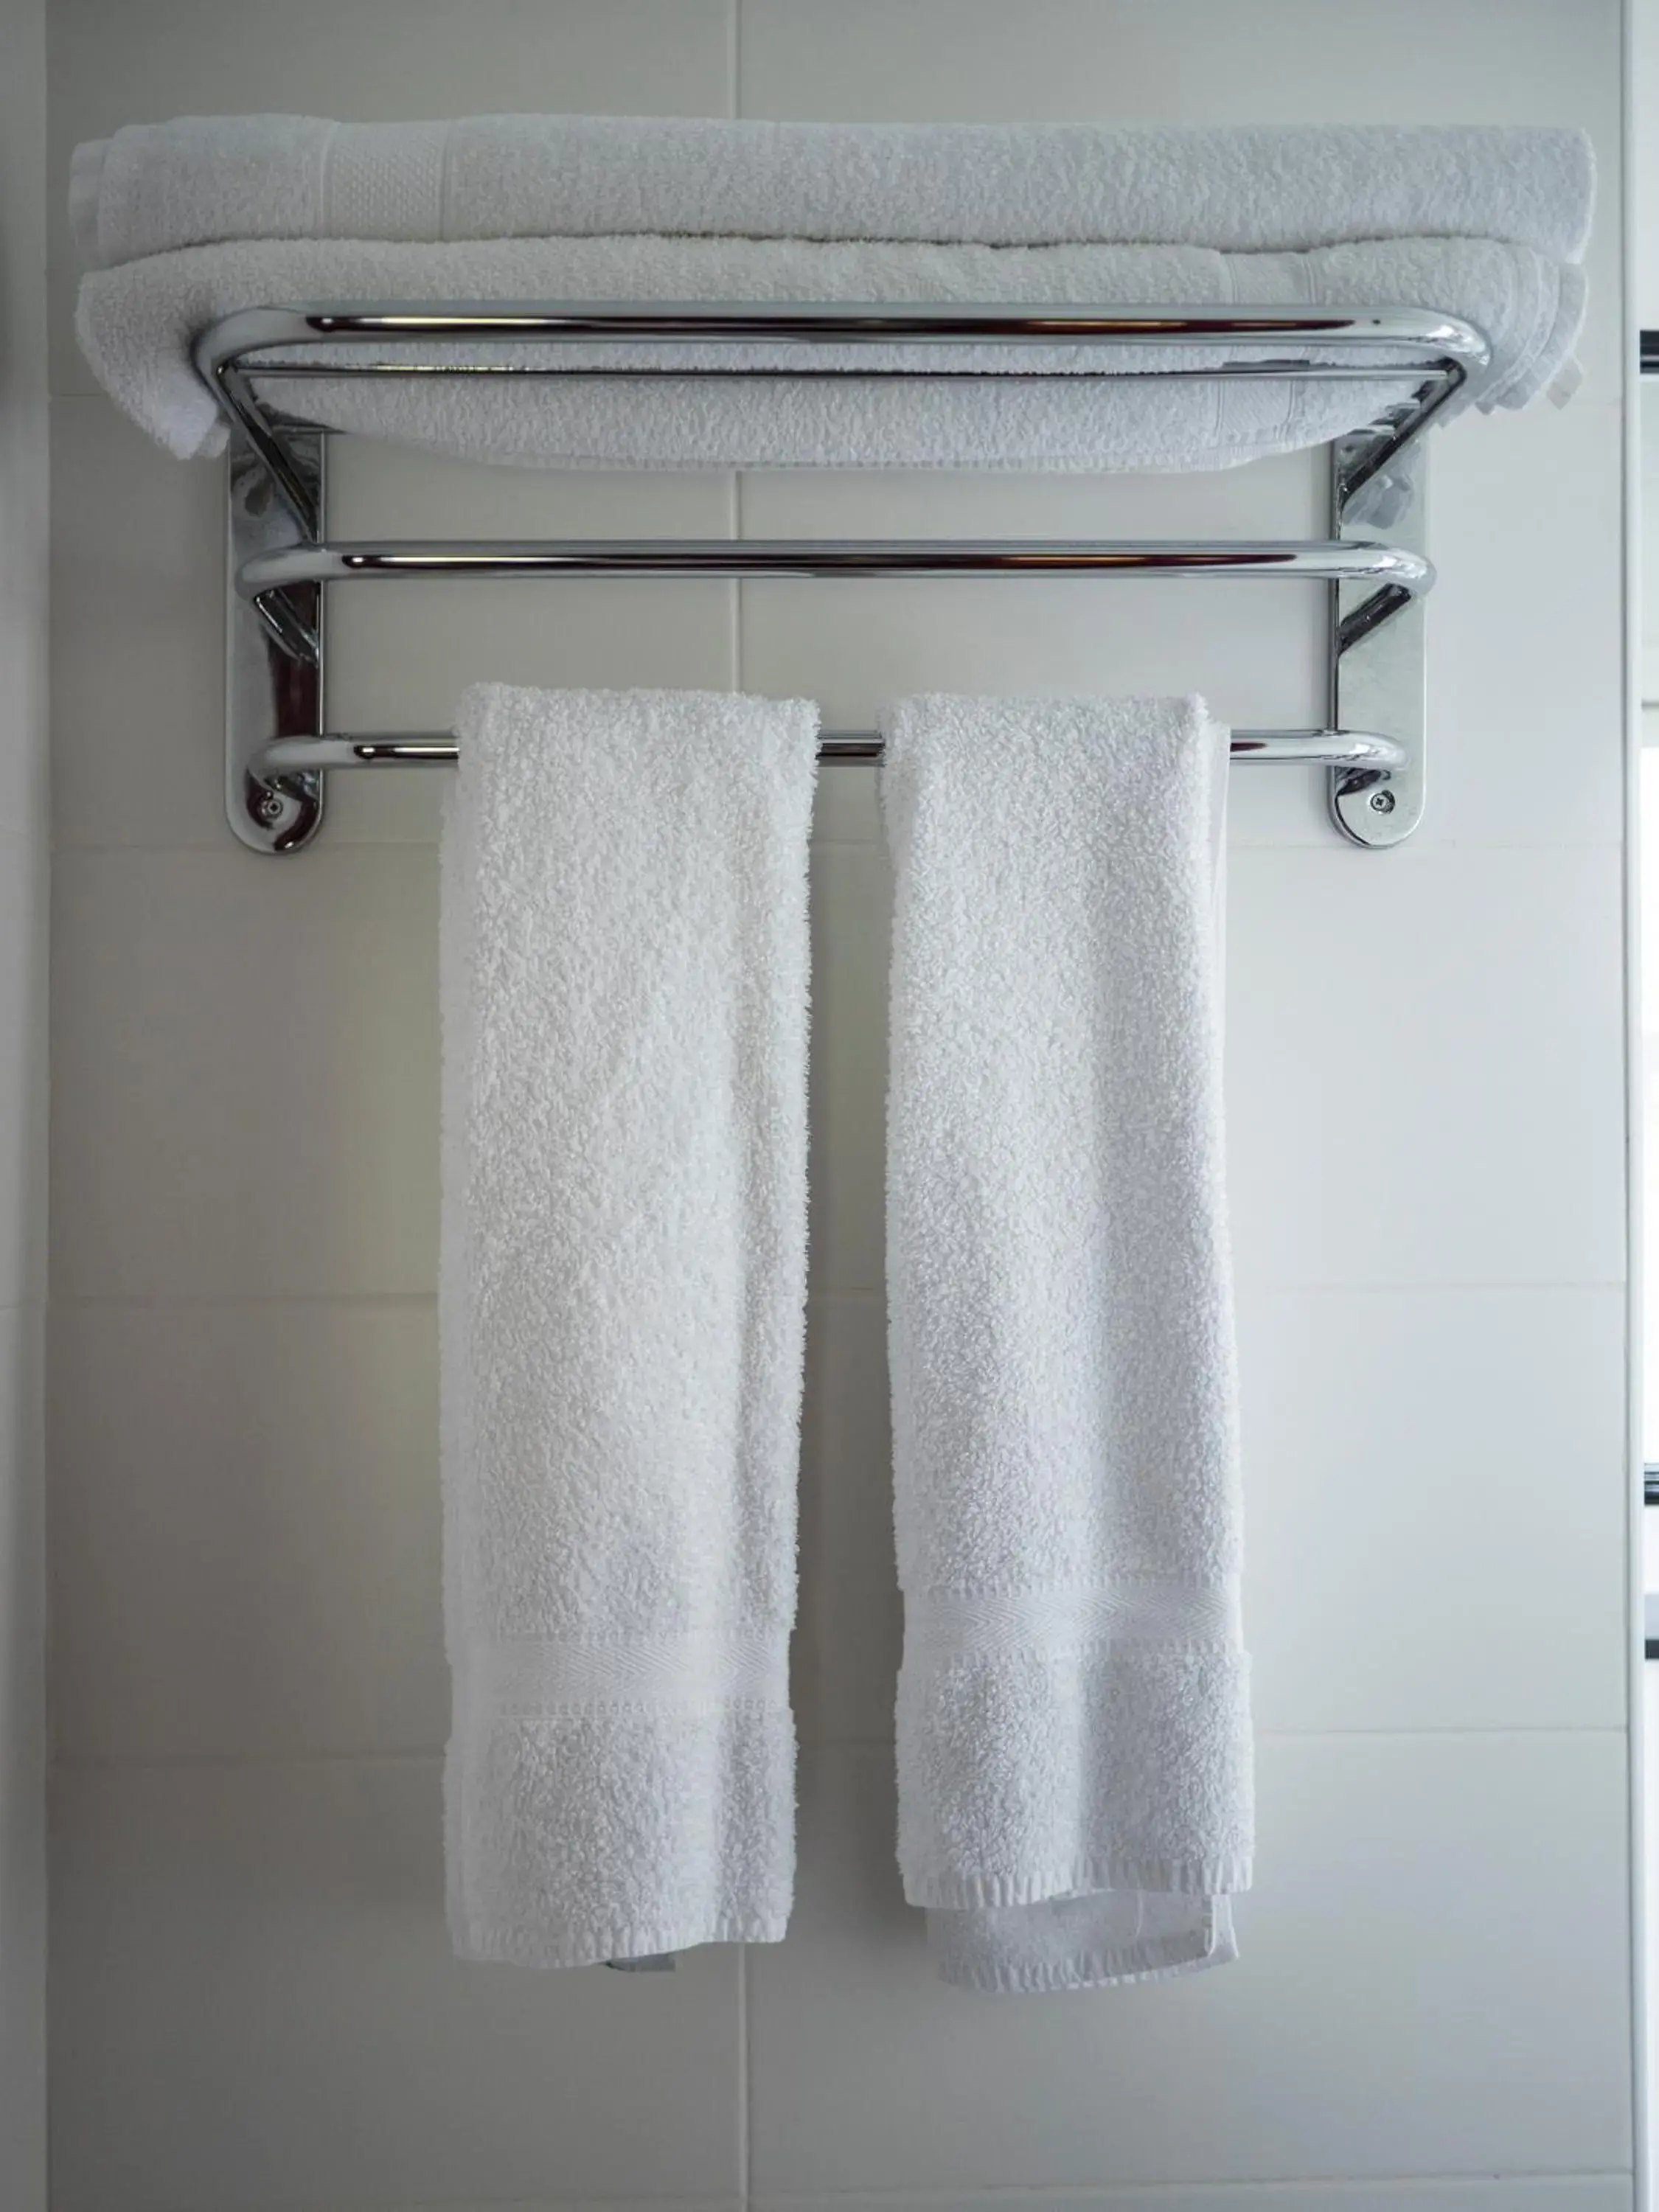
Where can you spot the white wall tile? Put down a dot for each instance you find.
(849, 1630)
(848, 809)
(1423, 1056)
(1429, 1915)
(246, 1073)
(1526, 653)
(244, 1530)
(1207, 61)
(140, 61)
(255, 2005)
(138, 627)
(1435, 1506)
(847, 1076)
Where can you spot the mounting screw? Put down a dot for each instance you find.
(1382, 802)
(270, 807)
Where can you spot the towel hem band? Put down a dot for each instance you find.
(1141, 1962)
(524, 1947)
(1223, 1877)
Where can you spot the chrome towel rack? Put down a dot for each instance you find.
(282, 560)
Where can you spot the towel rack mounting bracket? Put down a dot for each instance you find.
(1379, 669)
(272, 689)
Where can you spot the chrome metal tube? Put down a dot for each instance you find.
(1355, 749)
(1446, 349)
(1433, 337)
(1328, 561)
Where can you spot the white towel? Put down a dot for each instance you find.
(136, 324)
(202, 180)
(621, 1298)
(1073, 1743)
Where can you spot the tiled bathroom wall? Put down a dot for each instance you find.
(254, 2009)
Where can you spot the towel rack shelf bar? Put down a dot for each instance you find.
(1434, 337)
(1439, 352)
(282, 559)
(1344, 749)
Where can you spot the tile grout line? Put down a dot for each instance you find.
(1476, 2186)
(1105, 2196)
(340, 845)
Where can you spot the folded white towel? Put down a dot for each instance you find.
(1073, 1744)
(136, 324)
(203, 179)
(621, 1298)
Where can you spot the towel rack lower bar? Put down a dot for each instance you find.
(269, 579)
(1331, 561)
(1344, 749)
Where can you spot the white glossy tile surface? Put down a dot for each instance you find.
(246, 1530)
(850, 1626)
(246, 1073)
(847, 1075)
(1525, 651)
(1423, 1065)
(1435, 1507)
(138, 626)
(255, 2005)
(1358, 2034)
(848, 808)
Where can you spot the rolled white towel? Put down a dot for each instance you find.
(137, 326)
(200, 180)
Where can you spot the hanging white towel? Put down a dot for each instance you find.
(1073, 1743)
(202, 178)
(621, 1298)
